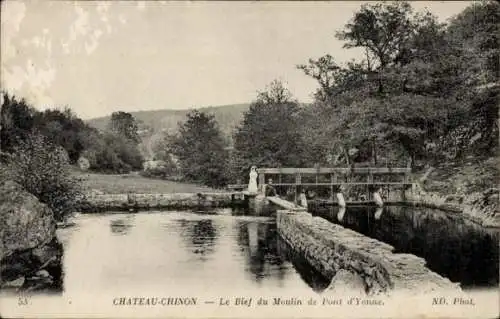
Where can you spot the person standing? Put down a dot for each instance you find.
(303, 199)
(252, 184)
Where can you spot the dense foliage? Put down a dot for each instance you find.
(270, 133)
(112, 152)
(423, 91)
(124, 124)
(42, 168)
(200, 150)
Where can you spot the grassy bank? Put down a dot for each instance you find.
(134, 183)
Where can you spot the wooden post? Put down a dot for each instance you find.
(298, 181)
(331, 186)
(262, 181)
(370, 181)
(279, 189)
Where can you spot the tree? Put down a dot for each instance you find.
(270, 132)
(200, 149)
(333, 79)
(42, 168)
(385, 32)
(111, 153)
(423, 88)
(16, 122)
(477, 29)
(382, 29)
(63, 128)
(125, 125)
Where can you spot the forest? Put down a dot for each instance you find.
(424, 93)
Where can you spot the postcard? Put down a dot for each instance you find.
(271, 159)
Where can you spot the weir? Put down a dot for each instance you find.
(335, 185)
(332, 249)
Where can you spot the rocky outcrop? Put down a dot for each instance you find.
(30, 255)
(480, 207)
(349, 257)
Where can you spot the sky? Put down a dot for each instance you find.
(100, 56)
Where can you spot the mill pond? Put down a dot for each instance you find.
(228, 251)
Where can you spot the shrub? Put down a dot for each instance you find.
(43, 169)
(113, 154)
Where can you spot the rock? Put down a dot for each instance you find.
(18, 263)
(347, 282)
(17, 283)
(42, 273)
(96, 192)
(29, 247)
(83, 163)
(47, 253)
(151, 165)
(38, 284)
(25, 222)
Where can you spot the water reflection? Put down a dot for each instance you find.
(267, 254)
(258, 243)
(312, 277)
(341, 213)
(122, 225)
(168, 252)
(452, 246)
(200, 236)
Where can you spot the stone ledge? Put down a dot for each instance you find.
(102, 202)
(330, 248)
(472, 208)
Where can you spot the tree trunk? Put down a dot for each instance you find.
(374, 152)
(346, 154)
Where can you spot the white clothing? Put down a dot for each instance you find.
(303, 200)
(252, 184)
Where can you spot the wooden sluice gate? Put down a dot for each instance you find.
(331, 185)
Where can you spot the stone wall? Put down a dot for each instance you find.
(102, 202)
(333, 249)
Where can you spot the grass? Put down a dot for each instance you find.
(133, 183)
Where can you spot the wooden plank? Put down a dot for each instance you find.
(236, 186)
(285, 204)
(329, 170)
(346, 183)
(262, 181)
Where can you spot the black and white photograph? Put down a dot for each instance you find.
(249, 159)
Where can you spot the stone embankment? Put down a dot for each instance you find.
(337, 251)
(30, 254)
(480, 207)
(105, 202)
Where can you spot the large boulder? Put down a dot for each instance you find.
(30, 254)
(25, 223)
(83, 163)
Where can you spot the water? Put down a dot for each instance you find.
(452, 246)
(181, 252)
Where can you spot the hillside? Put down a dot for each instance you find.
(228, 117)
(153, 123)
